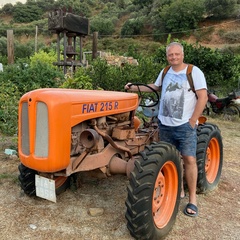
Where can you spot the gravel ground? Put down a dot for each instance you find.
(23, 217)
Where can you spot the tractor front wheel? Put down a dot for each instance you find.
(154, 192)
(209, 157)
(27, 181)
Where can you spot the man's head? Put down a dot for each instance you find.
(175, 53)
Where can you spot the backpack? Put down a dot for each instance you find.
(189, 76)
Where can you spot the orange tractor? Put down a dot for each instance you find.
(63, 132)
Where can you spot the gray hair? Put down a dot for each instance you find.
(174, 44)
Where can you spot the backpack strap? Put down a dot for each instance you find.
(189, 76)
(165, 70)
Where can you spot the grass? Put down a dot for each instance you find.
(9, 176)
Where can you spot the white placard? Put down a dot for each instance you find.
(45, 188)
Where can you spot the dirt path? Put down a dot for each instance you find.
(33, 218)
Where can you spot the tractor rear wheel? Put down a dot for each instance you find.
(209, 157)
(154, 192)
(27, 181)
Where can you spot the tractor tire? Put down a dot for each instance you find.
(27, 181)
(209, 157)
(154, 192)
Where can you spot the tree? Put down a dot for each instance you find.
(102, 25)
(132, 27)
(221, 8)
(180, 15)
(28, 12)
(143, 3)
(74, 6)
(23, 50)
(43, 4)
(7, 8)
(121, 3)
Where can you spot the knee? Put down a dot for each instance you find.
(189, 160)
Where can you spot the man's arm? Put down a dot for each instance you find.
(141, 88)
(200, 105)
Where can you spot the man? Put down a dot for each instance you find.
(178, 115)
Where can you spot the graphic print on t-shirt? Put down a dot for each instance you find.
(173, 99)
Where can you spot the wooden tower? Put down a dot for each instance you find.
(72, 28)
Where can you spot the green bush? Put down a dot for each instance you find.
(25, 31)
(9, 97)
(182, 15)
(43, 75)
(221, 69)
(77, 7)
(18, 79)
(32, 75)
(132, 27)
(23, 50)
(3, 60)
(3, 46)
(24, 13)
(44, 57)
(104, 26)
(111, 77)
(80, 80)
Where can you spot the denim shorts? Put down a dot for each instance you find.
(183, 137)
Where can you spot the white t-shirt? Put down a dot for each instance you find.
(177, 100)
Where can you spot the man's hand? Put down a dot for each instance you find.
(127, 86)
(192, 122)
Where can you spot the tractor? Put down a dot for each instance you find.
(65, 132)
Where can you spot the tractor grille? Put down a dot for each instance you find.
(25, 129)
(42, 131)
(42, 128)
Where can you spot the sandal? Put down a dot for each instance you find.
(193, 208)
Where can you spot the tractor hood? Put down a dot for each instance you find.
(85, 103)
(46, 117)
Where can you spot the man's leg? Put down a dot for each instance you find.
(182, 195)
(191, 172)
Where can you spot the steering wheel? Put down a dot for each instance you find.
(147, 99)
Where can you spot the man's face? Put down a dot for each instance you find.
(175, 55)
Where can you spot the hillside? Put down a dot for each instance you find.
(210, 33)
(217, 34)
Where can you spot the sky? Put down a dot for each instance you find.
(3, 2)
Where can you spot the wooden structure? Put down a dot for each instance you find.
(71, 27)
(10, 46)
